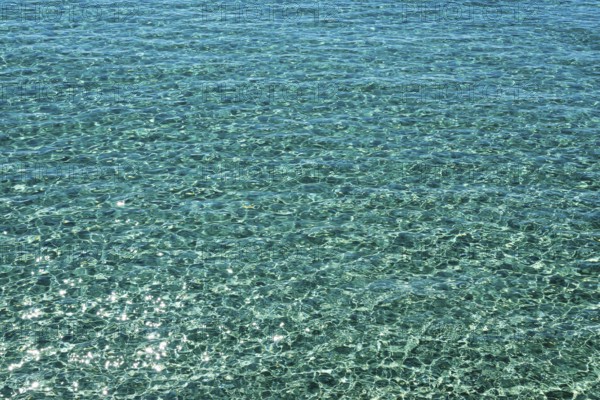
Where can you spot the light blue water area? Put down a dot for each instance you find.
(299, 200)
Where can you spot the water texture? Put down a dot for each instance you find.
(299, 200)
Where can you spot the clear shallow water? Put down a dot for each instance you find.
(363, 200)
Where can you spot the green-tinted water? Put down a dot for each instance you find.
(363, 200)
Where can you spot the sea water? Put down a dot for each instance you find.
(299, 200)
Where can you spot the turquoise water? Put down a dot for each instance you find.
(299, 200)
